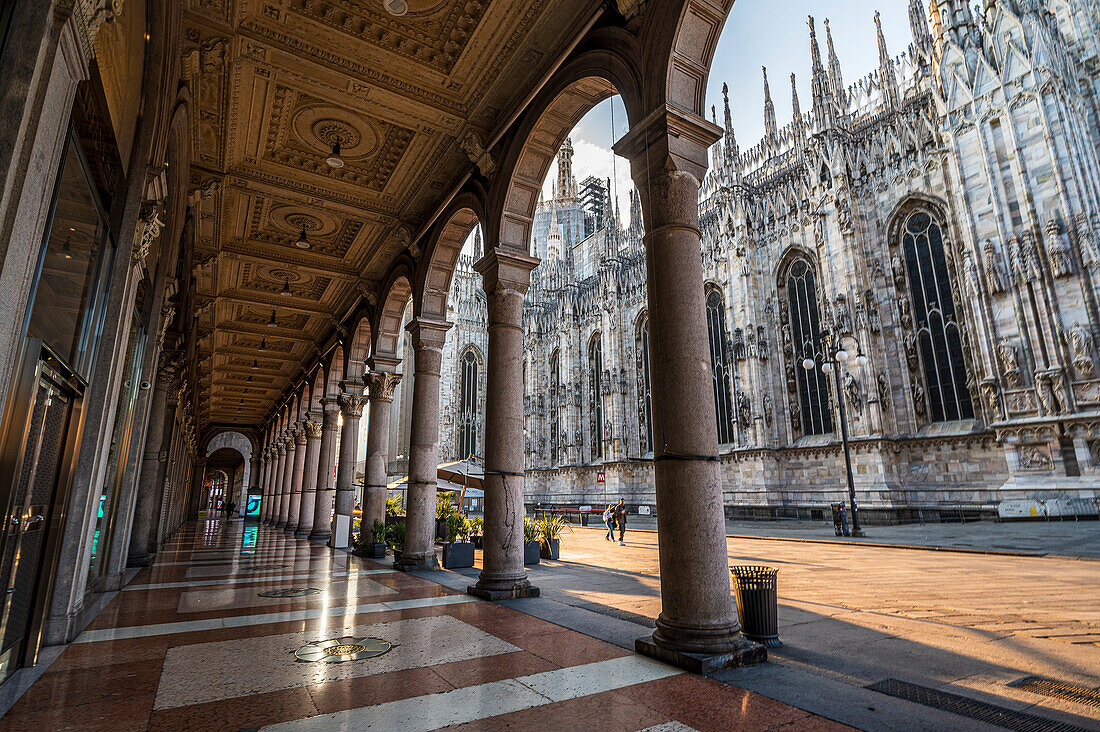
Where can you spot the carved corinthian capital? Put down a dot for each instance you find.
(351, 405)
(314, 428)
(380, 385)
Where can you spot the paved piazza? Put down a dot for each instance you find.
(852, 615)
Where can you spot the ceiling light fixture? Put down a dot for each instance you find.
(395, 7)
(286, 288)
(66, 249)
(303, 242)
(334, 160)
(255, 365)
(272, 323)
(263, 344)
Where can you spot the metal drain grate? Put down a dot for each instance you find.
(338, 650)
(1058, 690)
(971, 708)
(290, 592)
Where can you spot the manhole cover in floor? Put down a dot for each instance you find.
(290, 592)
(338, 650)
(262, 567)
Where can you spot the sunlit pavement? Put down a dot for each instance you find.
(853, 615)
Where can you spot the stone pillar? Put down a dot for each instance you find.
(265, 470)
(419, 551)
(288, 481)
(277, 487)
(297, 479)
(351, 409)
(143, 536)
(326, 480)
(308, 502)
(270, 462)
(505, 278)
(380, 386)
(698, 628)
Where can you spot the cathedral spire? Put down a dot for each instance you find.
(887, 75)
(553, 239)
(771, 131)
(733, 153)
(836, 78)
(798, 126)
(567, 184)
(824, 104)
(479, 247)
(918, 23)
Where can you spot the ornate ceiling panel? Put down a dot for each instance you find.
(277, 84)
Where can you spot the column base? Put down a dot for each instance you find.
(746, 654)
(497, 594)
(302, 533)
(416, 564)
(280, 525)
(291, 527)
(141, 560)
(316, 535)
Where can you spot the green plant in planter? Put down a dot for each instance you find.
(444, 506)
(475, 526)
(378, 532)
(551, 529)
(395, 534)
(531, 530)
(394, 507)
(457, 529)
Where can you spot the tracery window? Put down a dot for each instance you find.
(645, 406)
(595, 389)
(555, 407)
(468, 424)
(815, 417)
(720, 362)
(939, 340)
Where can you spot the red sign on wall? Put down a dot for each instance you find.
(600, 478)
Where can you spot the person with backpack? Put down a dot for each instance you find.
(620, 519)
(609, 522)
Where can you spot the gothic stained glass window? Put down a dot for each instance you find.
(467, 429)
(938, 337)
(556, 442)
(813, 388)
(595, 389)
(645, 405)
(720, 373)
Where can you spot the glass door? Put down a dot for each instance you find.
(37, 453)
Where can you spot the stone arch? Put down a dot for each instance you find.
(246, 446)
(586, 80)
(358, 350)
(445, 245)
(896, 218)
(679, 38)
(334, 373)
(791, 255)
(398, 292)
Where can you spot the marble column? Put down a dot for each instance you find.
(270, 460)
(288, 481)
(308, 503)
(351, 409)
(698, 627)
(265, 471)
(380, 386)
(326, 478)
(428, 337)
(143, 535)
(297, 479)
(506, 276)
(277, 486)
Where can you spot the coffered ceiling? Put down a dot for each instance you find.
(275, 83)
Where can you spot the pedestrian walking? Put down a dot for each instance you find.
(609, 522)
(620, 519)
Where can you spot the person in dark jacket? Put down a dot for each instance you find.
(620, 519)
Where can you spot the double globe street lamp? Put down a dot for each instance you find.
(834, 356)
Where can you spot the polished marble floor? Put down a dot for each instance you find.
(190, 645)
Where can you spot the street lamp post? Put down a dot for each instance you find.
(833, 360)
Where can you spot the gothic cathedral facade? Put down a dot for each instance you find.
(942, 214)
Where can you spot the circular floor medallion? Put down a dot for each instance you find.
(290, 592)
(338, 650)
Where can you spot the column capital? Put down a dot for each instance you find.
(505, 268)
(426, 333)
(313, 428)
(280, 447)
(300, 435)
(383, 363)
(351, 405)
(380, 385)
(668, 139)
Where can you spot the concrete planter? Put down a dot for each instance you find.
(458, 555)
(530, 552)
(550, 552)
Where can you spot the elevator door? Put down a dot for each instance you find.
(32, 509)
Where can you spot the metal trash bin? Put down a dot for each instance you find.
(757, 600)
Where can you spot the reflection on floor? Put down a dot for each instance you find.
(190, 645)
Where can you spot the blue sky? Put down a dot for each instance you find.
(770, 33)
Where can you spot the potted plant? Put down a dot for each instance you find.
(457, 553)
(476, 527)
(378, 540)
(444, 509)
(531, 541)
(395, 537)
(550, 531)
